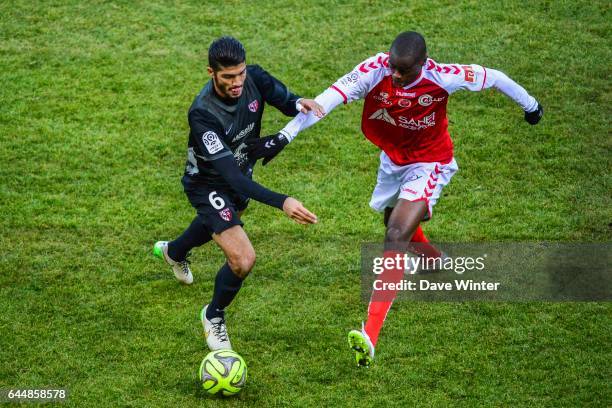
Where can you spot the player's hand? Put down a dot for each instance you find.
(310, 105)
(266, 147)
(534, 117)
(297, 212)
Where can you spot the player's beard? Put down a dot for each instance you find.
(226, 91)
(234, 92)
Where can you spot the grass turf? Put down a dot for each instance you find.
(93, 131)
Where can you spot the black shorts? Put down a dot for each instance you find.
(218, 208)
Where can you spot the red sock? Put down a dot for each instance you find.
(381, 300)
(377, 313)
(423, 247)
(419, 236)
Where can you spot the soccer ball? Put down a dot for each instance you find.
(223, 371)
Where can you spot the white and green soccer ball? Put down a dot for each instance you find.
(223, 371)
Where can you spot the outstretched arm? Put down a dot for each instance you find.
(268, 147)
(500, 81)
(329, 99)
(275, 93)
(205, 131)
(474, 77)
(352, 86)
(229, 170)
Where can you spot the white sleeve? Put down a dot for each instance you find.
(350, 87)
(329, 99)
(501, 82)
(363, 78)
(454, 77)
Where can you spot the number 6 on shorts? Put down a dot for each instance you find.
(216, 201)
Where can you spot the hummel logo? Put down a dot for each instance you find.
(383, 115)
(269, 144)
(406, 94)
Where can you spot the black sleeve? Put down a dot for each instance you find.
(274, 91)
(205, 130)
(228, 168)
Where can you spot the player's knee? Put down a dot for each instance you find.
(395, 234)
(242, 264)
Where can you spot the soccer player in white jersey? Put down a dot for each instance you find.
(404, 114)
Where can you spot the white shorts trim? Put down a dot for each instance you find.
(413, 182)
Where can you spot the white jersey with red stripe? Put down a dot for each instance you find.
(409, 123)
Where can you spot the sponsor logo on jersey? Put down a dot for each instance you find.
(226, 214)
(399, 92)
(423, 123)
(383, 115)
(383, 98)
(253, 106)
(211, 142)
(408, 190)
(470, 76)
(244, 132)
(241, 155)
(426, 100)
(404, 103)
(191, 167)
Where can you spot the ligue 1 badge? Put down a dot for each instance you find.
(226, 214)
(253, 106)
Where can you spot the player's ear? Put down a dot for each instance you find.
(210, 71)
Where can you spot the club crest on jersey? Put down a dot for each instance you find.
(253, 106)
(404, 103)
(226, 214)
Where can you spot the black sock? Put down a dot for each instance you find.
(227, 285)
(194, 236)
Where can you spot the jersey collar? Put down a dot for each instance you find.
(416, 81)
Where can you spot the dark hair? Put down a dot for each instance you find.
(409, 44)
(225, 52)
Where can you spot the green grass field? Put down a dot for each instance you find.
(93, 102)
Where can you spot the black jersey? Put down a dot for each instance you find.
(218, 129)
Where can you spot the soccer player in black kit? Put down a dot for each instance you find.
(225, 121)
